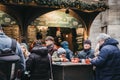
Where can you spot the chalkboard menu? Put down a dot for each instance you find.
(12, 31)
(80, 37)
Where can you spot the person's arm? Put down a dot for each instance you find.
(71, 54)
(21, 64)
(101, 58)
(92, 54)
(29, 63)
(80, 55)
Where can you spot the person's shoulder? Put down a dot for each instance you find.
(32, 55)
(105, 47)
(4, 35)
(69, 51)
(108, 48)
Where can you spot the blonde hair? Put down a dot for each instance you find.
(26, 53)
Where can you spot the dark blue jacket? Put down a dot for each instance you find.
(86, 54)
(108, 61)
(69, 53)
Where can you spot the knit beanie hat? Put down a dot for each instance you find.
(87, 42)
(25, 45)
(61, 51)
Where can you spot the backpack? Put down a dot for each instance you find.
(8, 58)
(8, 54)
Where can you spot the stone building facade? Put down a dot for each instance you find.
(107, 22)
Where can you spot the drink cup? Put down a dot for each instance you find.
(87, 61)
(83, 60)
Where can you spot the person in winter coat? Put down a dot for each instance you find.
(49, 41)
(24, 48)
(5, 42)
(108, 61)
(69, 53)
(87, 52)
(60, 54)
(38, 64)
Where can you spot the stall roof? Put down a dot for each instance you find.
(83, 5)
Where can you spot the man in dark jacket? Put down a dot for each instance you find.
(108, 61)
(49, 41)
(87, 52)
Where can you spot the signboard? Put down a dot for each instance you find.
(57, 19)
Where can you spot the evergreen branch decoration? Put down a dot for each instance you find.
(77, 4)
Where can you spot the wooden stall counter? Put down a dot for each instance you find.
(72, 71)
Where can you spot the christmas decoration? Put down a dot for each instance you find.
(75, 4)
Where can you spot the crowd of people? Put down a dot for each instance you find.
(36, 63)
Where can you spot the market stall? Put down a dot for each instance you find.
(72, 71)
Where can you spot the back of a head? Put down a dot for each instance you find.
(38, 43)
(57, 44)
(103, 36)
(39, 36)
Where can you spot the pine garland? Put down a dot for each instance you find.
(77, 4)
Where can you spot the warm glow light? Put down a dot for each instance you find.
(96, 0)
(66, 36)
(79, 30)
(42, 28)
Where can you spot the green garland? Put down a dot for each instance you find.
(77, 4)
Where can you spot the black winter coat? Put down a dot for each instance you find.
(38, 64)
(108, 61)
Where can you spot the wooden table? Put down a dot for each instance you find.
(72, 71)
